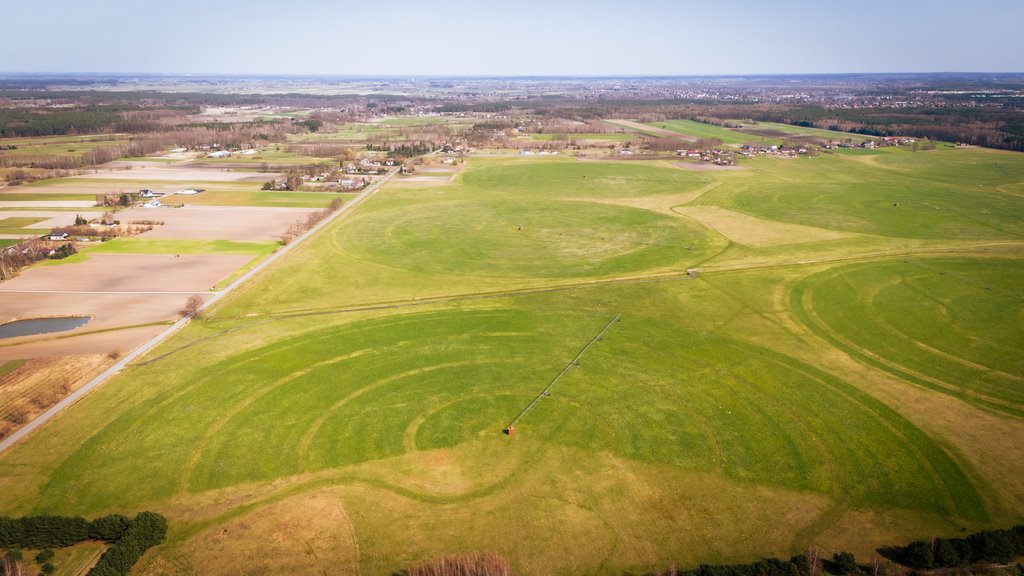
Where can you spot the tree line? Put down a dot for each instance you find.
(129, 538)
(996, 546)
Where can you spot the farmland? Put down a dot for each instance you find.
(811, 352)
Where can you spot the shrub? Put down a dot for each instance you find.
(44, 556)
(845, 563)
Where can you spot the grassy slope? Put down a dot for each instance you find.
(716, 422)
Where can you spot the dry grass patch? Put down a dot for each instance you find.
(306, 534)
(752, 231)
(31, 388)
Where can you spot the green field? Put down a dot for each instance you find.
(803, 131)
(258, 198)
(59, 145)
(702, 130)
(841, 369)
(21, 225)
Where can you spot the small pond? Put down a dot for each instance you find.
(41, 326)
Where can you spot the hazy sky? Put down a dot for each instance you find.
(525, 37)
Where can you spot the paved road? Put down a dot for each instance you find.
(174, 328)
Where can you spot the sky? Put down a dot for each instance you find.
(511, 38)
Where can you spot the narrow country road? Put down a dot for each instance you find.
(181, 323)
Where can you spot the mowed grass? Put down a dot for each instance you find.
(951, 325)
(366, 378)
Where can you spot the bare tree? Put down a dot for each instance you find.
(192, 305)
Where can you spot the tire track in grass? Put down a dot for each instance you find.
(805, 311)
(188, 469)
(302, 451)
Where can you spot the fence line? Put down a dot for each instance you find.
(510, 429)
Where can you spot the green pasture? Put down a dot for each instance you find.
(803, 131)
(934, 194)
(951, 325)
(29, 197)
(702, 130)
(21, 225)
(258, 198)
(59, 145)
(842, 370)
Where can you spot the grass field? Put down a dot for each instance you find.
(702, 130)
(842, 370)
(59, 145)
(803, 131)
(21, 225)
(258, 198)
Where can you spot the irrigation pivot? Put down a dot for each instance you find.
(511, 428)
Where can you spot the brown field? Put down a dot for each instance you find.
(242, 223)
(54, 219)
(47, 203)
(191, 173)
(107, 310)
(114, 341)
(130, 273)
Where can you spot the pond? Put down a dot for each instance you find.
(41, 326)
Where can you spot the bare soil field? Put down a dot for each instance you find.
(706, 166)
(178, 173)
(243, 223)
(47, 203)
(118, 341)
(53, 218)
(753, 231)
(107, 310)
(130, 273)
